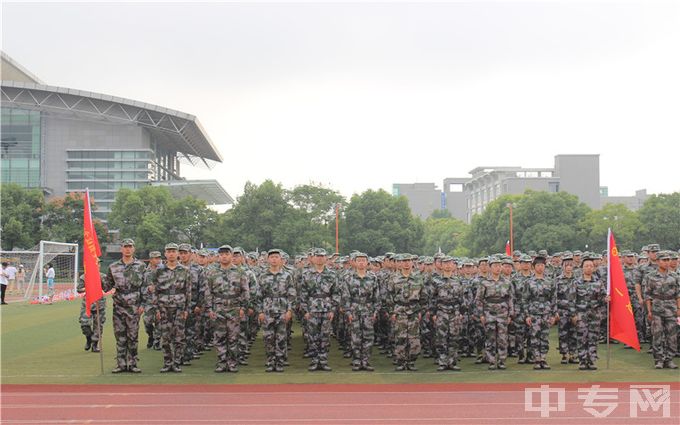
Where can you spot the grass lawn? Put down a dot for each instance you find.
(43, 344)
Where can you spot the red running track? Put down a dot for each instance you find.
(321, 404)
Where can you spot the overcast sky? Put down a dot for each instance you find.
(363, 95)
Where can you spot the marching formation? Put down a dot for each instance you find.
(445, 308)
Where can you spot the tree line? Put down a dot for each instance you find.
(269, 215)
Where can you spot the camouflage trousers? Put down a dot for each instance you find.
(244, 325)
(521, 335)
(227, 326)
(88, 325)
(639, 314)
(664, 337)
(153, 331)
(588, 335)
(319, 332)
(406, 337)
(381, 327)
(448, 327)
(539, 332)
(361, 335)
(496, 341)
(173, 339)
(126, 331)
(191, 332)
(567, 334)
(476, 335)
(427, 335)
(275, 338)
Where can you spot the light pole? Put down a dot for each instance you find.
(512, 242)
(337, 228)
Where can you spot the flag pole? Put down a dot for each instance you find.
(101, 339)
(609, 285)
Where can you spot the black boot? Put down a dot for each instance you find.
(88, 344)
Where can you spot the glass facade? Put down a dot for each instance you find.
(104, 172)
(20, 147)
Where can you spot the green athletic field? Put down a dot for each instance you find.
(43, 344)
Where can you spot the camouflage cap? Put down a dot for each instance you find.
(567, 256)
(642, 257)
(627, 253)
(127, 242)
(154, 254)
(543, 253)
(203, 252)
(525, 258)
(516, 253)
(184, 247)
(401, 257)
(252, 255)
(389, 255)
(319, 252)
(653, 247)
(225, 248)
(482, 260)
(532, 253)
(171, 245)
(674, 255)
(507, 261)
(239, 250)
(274, 251)
(493, 260)
(428, 260)
(577, 253)
(664, 255)
(360, 254)
(447, 258)
(439, 255)
(468, 262)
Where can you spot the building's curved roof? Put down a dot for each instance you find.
(177, 130)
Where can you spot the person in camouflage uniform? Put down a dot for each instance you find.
(540, 312)
(427, 328)
(227, 296)
(662, 295)
(476, 329)
(494, 302)
(565, 298)
(126, 276)
(448, 307)
(244, 332)
(319, 298)
(634, 292)
(522, 340)
(361, 302)
(93, 326)
(407, 302)
(153, 331)
(274, 301)
(648, 265)
(195, 303)
(171, 289)
(466, 278)
(508, 273)
(590, 298)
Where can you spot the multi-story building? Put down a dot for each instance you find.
(464, 197)
(65, 140)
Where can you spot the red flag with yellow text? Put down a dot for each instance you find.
(621, 319)
(93, 282)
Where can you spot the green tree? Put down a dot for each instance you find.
(317, 201)
(490, 230)
(22, 210)
(376, 222)
(446, 234)
(190, 220)
(63, 220)
(660, 221)
(624, 223)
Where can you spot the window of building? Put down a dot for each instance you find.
(20, 147)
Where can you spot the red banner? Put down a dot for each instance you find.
(621, 319)
(93, 282)
(507, 248)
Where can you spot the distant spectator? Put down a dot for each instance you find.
(11, 272)
(3, 283)
(50, 279)
(21, 279)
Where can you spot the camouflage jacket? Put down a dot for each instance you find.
(172, 287)
(275, 292)
(519, 282)
(495, 298)
(227, 289)
(590, 296)
(319, 292)
(405, 294)
(663, 289)
(147, 295)
(81, 289)
(361, 295)
(643, 271)
(565, 293)
(539, 297)
(449, 295)
(127, 280)
(197, 285)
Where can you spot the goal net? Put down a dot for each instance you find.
(34, 281)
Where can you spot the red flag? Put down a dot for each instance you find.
(621, 320)
(507, 248)
(93, 282)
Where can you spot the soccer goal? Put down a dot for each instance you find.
(34, 280)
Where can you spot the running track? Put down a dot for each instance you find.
(309, 404)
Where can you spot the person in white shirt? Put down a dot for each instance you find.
(3, 283)
(11, 278)
(50, 279)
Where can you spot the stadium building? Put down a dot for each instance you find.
(65, 140)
